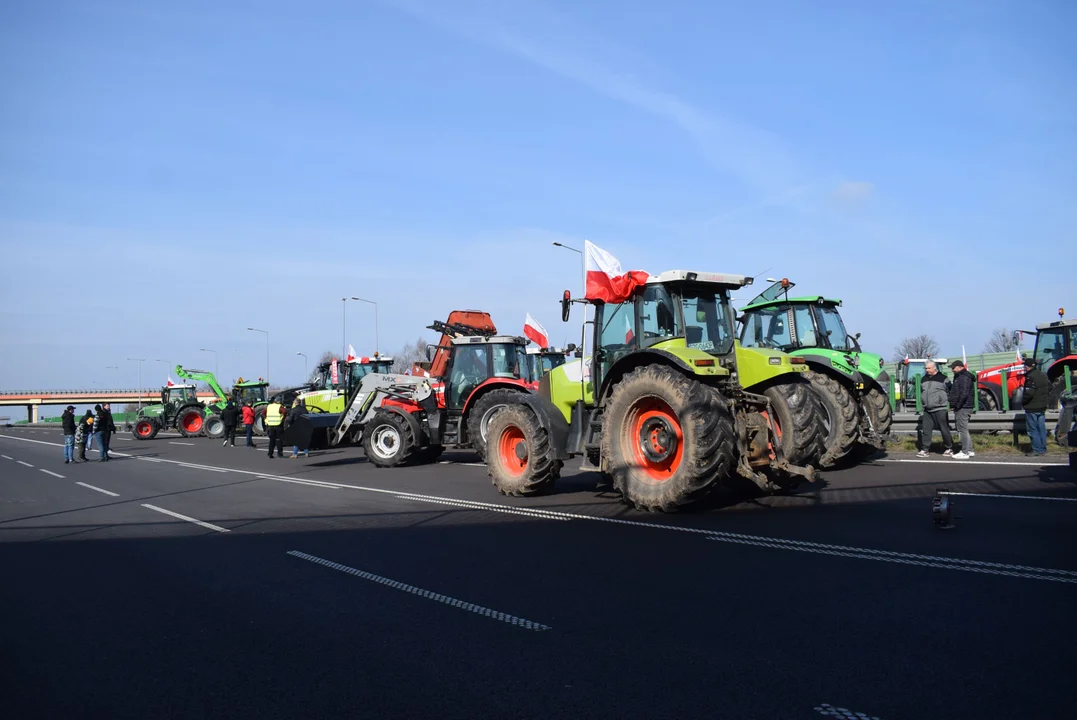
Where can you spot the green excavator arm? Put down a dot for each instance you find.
(203, 376)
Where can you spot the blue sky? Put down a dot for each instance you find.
(172, 173)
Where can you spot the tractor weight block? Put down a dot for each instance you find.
(311, 432)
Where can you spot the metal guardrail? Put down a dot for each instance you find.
(906, 423)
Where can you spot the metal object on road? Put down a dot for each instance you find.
(942, 508)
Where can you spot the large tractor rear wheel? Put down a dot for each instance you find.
(877, 407)
(520, 458)
(987, 400)
(388, 440)
(478, 420)
(839, 409)
(145, 429)
(799, 422)
(214, 427)
(259, 427)
(190, 421)
(667, 440)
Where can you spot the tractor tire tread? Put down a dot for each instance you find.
(805, 445)
(542, 469)
(474, 419)
(840, 407)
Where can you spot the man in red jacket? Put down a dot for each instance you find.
(248, 423)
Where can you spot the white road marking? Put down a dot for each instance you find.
(201, 467)
(1010, 497)
(315, 483)
(436, 597)
(92, 487)
(450, 462)
(1024, 571)
(7, 457)
(828, 710)
(20, 462)
(465, 504)
(211, 526)
(1008, 463)
(50, 472)
(173, 442)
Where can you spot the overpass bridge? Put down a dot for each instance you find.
(32, 400)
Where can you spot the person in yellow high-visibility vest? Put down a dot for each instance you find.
(275, 427)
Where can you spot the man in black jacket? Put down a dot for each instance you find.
(962, 403)
(230, 418)
(68, 421)
(85, 433)
(1034, 403)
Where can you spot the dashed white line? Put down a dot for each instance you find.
(173, 442)
(204, 524)
(50, 472)
(436, 597)
(1008, 463)
(314, 483)
(100, 490)
(467, 505)
(20, 462)
(7, 457)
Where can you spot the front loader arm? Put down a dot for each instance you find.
(202, 376)
(369, 394)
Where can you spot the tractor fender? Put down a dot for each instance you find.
(639, 358)
(491, 385)
(841, 370)
(994, 389)
(551, 420)
(882, 380)
(1061, 366)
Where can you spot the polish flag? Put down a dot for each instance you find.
(351, 354)
(535, 332)
(170, 383)
(605, 279)
(334, 374)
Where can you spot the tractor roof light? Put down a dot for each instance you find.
(1061, 313)
(785, 283)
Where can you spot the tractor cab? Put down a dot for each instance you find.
(179, 395)
(775, 320)
(361, 367)
(255, 393)
(477, 360)
(543, 360)
(1054, 342)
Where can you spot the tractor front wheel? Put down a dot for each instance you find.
(667, 439)
(478, 420)
(190, 421)
(145, 429)
(388, 440)
(987, 400)
(214, 427)
(519, 457)
(839, 408)
(800, 422)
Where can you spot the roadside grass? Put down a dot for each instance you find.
(982, 442)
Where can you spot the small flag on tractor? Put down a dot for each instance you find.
(351, 354)
(535, 332)
(170, 383)
(334, 374)
(605, 279)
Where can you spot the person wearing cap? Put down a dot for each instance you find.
(84, 434)
(1034, 403)
(68, 422)
(962, 403)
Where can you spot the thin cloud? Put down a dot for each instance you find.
(854, 192)
(751, 154)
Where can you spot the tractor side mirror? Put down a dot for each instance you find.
(566, 306)
(431, 350)
(856, 337)
(1017, 337)
(570, 348)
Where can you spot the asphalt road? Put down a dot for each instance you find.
(324, 587)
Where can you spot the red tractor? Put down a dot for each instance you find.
(1056, 355)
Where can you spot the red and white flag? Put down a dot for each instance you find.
(170, 383)
(351, 354)
(605, 279)
(334, 375)
(535, 332)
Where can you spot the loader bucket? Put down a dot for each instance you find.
(311, 432)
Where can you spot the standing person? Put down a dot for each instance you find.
(248, 423)
(108, 427)
(298, 408)
(96, 440)
(85, 433)
(1034, 403)
(68, 421)
(934, 396)
(275, 427)
(230, 418)
(961, 400)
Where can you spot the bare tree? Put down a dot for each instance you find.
(919, 346)
(327, 357)
(410, 354)
(1001, 340)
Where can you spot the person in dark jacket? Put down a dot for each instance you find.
(97, 441)
(68, 421)
(230, 418)
(962, 402)
(106, 427)
(85, 433)
(1034, 403)
(934, 394)
(298, 408)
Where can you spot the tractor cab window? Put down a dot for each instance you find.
(1050, 346)
(805, 327)
(657, 319)
(708, 324)
(830, 321)
(469, 368)
(767, 328)
(546, 363)
(252, 395)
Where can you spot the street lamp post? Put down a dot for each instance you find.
(304, 364)
(344, 327)
(266, 333)
(216, 364)
(139, 361)
(376, 338)
(583, 264)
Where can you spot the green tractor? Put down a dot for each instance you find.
(669, 406)
(179, 409)
(851, 384)
(254, 392)
(325, 396)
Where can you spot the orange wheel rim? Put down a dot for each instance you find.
(656, 437)
(510, 446)
(143, 428)
(192, 422)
